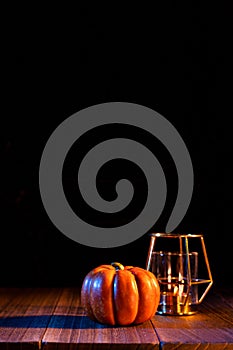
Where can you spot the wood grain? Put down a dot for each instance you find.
(70, 326)
(210, 328)
(49, 319)
(25, 316)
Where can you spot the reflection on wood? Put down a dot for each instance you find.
(48, 319)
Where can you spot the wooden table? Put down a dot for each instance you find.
(42, 318)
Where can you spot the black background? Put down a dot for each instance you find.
(176, 60)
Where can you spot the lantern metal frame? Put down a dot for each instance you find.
(184, 249)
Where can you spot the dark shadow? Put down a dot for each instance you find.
(57, 321)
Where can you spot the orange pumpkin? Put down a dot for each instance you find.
(118, 295)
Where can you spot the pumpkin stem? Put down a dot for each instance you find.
(117, 266)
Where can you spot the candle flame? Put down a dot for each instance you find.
(169, 273)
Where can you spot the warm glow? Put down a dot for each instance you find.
(181, 286)
(169, 274)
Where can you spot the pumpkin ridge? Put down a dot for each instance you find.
(143, 282)
(136, 283)
(139, 292)
(89, 301)
(113, 300)
(120, 295)
(101, 305)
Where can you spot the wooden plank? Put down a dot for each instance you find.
(210, 328)
(70, 326)
(25, 316)
(54, 319)
(6, 296)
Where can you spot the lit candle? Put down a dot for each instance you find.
(181, 285)
(169, 275)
